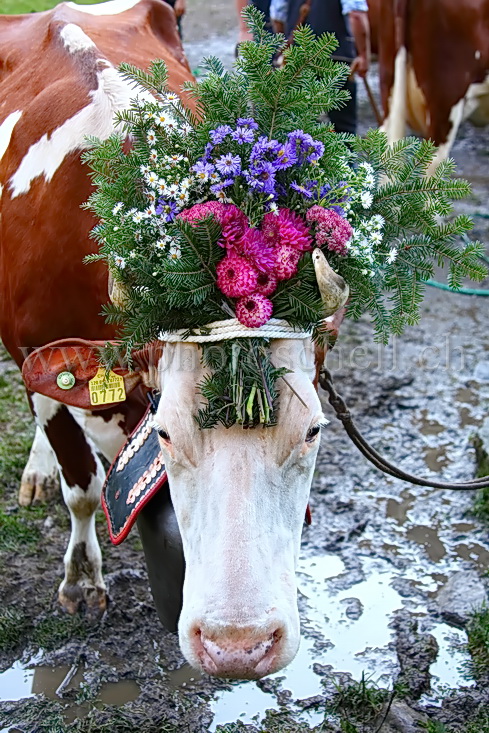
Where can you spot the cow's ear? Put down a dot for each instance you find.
(146, 362)
(69, 371)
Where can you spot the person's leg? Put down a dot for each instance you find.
(345, 119)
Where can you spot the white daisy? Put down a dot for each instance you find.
(117, 208)
(392, 255)
(160, 244)
(161, 186)
(151, 137)
(175, 252)
(172, 190)
(172, 97)
(366, 199)
(150, 195)
(119, 262)
(151, 179)
(153, 156)
(138, 216)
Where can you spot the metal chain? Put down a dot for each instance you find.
(343, 414)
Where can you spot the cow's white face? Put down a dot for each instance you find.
(240, 497)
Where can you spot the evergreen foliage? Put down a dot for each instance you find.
(401, 219)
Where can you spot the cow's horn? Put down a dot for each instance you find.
(118, 293)
(334, 290)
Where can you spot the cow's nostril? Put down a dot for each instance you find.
(243, 657)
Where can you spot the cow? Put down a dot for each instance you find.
(433, 67)
(239, 496)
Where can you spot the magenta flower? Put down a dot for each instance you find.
(236, 277)
(257, 250)
(267, 283)
(254, 310)
(202, 211)
(286, 259)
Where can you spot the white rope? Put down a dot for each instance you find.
(275, 328)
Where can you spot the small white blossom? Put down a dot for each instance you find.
(181, 197)
(151, 137)
(173, 190)
(115, 229)
(164, 119)
(273, 208)
(153, 156)
(160, 244)
(117, 208)
(150, 195)
(214, 176)
(133, 254)
(144, 169)
(369, 181)
(149, 115)
(119, 262)
(392, 255)
(151, 179)
(185, 184)
(367, 199)
(378, 221)
(161, 186)
(376, 238)
(138, 217)
(172, 97)
(175, 252)
(150, 211)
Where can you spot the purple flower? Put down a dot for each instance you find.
(217, 187)
(317, 152)
(229, 165)
(247, 122)
(218, 135)
(286, 156)
(203, 169)
(304, 190)
(167, 209)
(262, 177)
(263, 146)
(243, 135)
(208, 151)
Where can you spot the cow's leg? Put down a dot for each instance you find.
(456, 119)
(40, 477)
(81, 475)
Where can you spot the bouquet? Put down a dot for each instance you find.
(238, 205)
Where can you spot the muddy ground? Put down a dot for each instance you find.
(387, 574)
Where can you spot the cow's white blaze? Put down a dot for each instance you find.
(113, 7)
(75, 39)
(240, 497)
(45, 156)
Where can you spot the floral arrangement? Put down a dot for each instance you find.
(219, 213)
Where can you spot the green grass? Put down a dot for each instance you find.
(16, 427)
(18, 7)
(13, 625)
(16, 531)
(481, 503)
(478, 643)
(359, 704)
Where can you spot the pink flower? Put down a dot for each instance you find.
(201, 211)
(331, 229)
(234, 225)
(236, 277)
(267, 283)
(254, 310)
(257, 250)
(287, 228)
(286, 259)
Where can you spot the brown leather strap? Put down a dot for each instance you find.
(343, 414)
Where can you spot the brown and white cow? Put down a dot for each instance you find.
(433, 66)
(239, 496)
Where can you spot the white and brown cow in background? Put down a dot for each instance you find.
(239, 496)
(433, 66)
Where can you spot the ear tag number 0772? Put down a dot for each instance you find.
(106, 388)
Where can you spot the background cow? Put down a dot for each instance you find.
(58, 83)
(433, 66)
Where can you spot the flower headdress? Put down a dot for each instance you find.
(243, 209)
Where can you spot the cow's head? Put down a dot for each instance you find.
(240, 497)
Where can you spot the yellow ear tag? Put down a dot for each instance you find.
(106, 387)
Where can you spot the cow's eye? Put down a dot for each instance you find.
(312, 432)
(163, 435)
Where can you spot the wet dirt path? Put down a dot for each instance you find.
(373, 561)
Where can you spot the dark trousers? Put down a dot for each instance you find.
(345, 119)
